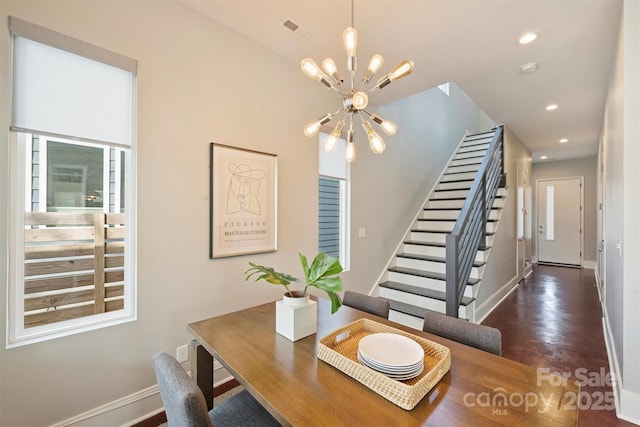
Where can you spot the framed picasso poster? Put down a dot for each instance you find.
(243, 210)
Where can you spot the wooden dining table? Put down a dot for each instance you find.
(298, 389)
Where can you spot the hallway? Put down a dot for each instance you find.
(553, 320)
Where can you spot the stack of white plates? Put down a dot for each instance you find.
(394, 355)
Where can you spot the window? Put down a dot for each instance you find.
(72, 256)
(444, 87)
(333, 202)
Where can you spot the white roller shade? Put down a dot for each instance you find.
(332, 163)
(56, 92)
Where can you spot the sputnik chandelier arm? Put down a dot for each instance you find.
(354, 100)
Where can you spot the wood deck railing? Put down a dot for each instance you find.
(74, 265)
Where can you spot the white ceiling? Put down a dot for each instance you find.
(470, 42)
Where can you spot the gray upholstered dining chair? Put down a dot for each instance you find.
(479, 336)
(378, 306)
(185, 405)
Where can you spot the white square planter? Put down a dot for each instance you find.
(296, 322)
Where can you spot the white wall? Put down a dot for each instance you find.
(501, 271)
(621, 198)
(586, 167)
(198, 83)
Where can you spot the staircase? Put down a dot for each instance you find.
(415, 280)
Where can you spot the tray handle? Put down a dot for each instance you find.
(342, 336)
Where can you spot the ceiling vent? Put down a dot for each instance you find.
(291, 26)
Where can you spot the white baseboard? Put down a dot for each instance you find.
(589, 264)
(117, 412)
(484, 309)
(614, 368)
(528, 270)
(120, 411)
(627, 402)
(596, 273)
(629, 406)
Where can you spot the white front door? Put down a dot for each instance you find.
(560, 221)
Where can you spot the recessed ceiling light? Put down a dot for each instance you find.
(527, 38)
(551, 107)
(529, 68)
(563, 141)
(543, 157)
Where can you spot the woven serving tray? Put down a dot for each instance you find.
(340, 349)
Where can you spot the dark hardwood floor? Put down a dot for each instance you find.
(553, 320)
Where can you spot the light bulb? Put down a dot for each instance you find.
(375, 63)
(359, 100)
(374, 66)
(402, 69)
(376, 143)
(311, 69)
(527, 38)
(329, 143)
(313, 127)
(387, 126)
(329, 67)
(350, 39)
(350, 154)
(350, 151)
(367, 127)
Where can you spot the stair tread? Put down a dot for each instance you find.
(437, 244)
(492, 131)
(450, 189)
(471, 151)
(409, 309)
(417, 242)
(423, 292)
(476, 160)
(458, 198)
(427, 274)
(474, 167)
(433, 258)
(467, 158)
(453, 209)
(449, 219)
(415, 230)
(498, 196)
(476, 141)
(456, 173)
(469, 180)
(479, 138)
(444, 179)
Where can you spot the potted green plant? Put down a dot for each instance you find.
(322, 274)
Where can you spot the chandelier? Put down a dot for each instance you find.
(354, 99)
